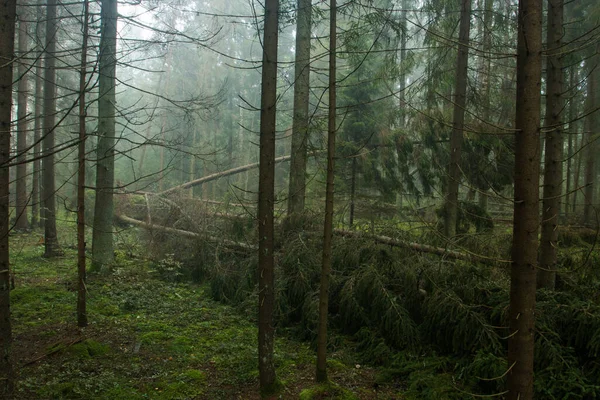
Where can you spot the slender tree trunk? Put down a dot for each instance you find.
(590, 154)
(526, 201)
(572, 131)
(578, 169)
(36, 210)
(8, 10)
(266, 200)
(81, 289)
(22, 200)
(52, 247)
(297, 185)
(458, 120)
(553, 175)
(102, 235)
(485, 68)
(352, 192)
(403, 63)
(321, 373)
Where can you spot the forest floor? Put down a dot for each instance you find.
(150, 339)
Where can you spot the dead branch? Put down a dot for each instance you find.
(218, 175)
(188, 234)
(424, 248)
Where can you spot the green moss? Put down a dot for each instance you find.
(63, 390)
(194, 375)
(336, 365)
(155, 337)
(89, 349)
(327, 390)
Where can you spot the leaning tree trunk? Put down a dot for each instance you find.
(102, 234)
(36, 210)
(8, 10)
(297, 185)
(526, 203)
(321, 374)
(81, 290)
(21, 191)
(553, 176)
(266, 200)
(451, 208)
(52, 248)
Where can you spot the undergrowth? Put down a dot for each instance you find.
(438, 327)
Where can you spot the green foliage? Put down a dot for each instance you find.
(469, 215)
(327, 390)
(169, 268)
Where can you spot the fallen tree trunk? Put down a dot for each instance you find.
(424, 248)
(188, 234)
(218, 175)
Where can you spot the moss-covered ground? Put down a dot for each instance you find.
(150, 339)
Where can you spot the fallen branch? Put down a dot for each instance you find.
(56, 349)
(188, 234)
(424, 248)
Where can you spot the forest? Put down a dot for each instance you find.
(342, 199)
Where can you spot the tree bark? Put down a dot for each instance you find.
(321, 373)
(8, 10)
(570, 145)
(266, 200)
(590, 154)
(578, 169)
(82, 320)
(403, 64)
(526, 201)
(456, 138)
(297, 185)
(102, 234)
(52, 248)
(352, 192)
(36, 210)
(553, 174)
(22, 222)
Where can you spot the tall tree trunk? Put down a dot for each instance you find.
(578, 169)
(352, 192)
(485, 69)
(36, 210)
(297, 184)
(321, 373)
(553, 175)
(52, 248)
(570, 146)
(102, 235)
(590, 154)
(403, 63)
(526, 201)
(266, 200)
(22, 200)
(451, 209)
(8, 10)
(81, 273)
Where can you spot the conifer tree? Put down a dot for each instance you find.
(526, 201)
